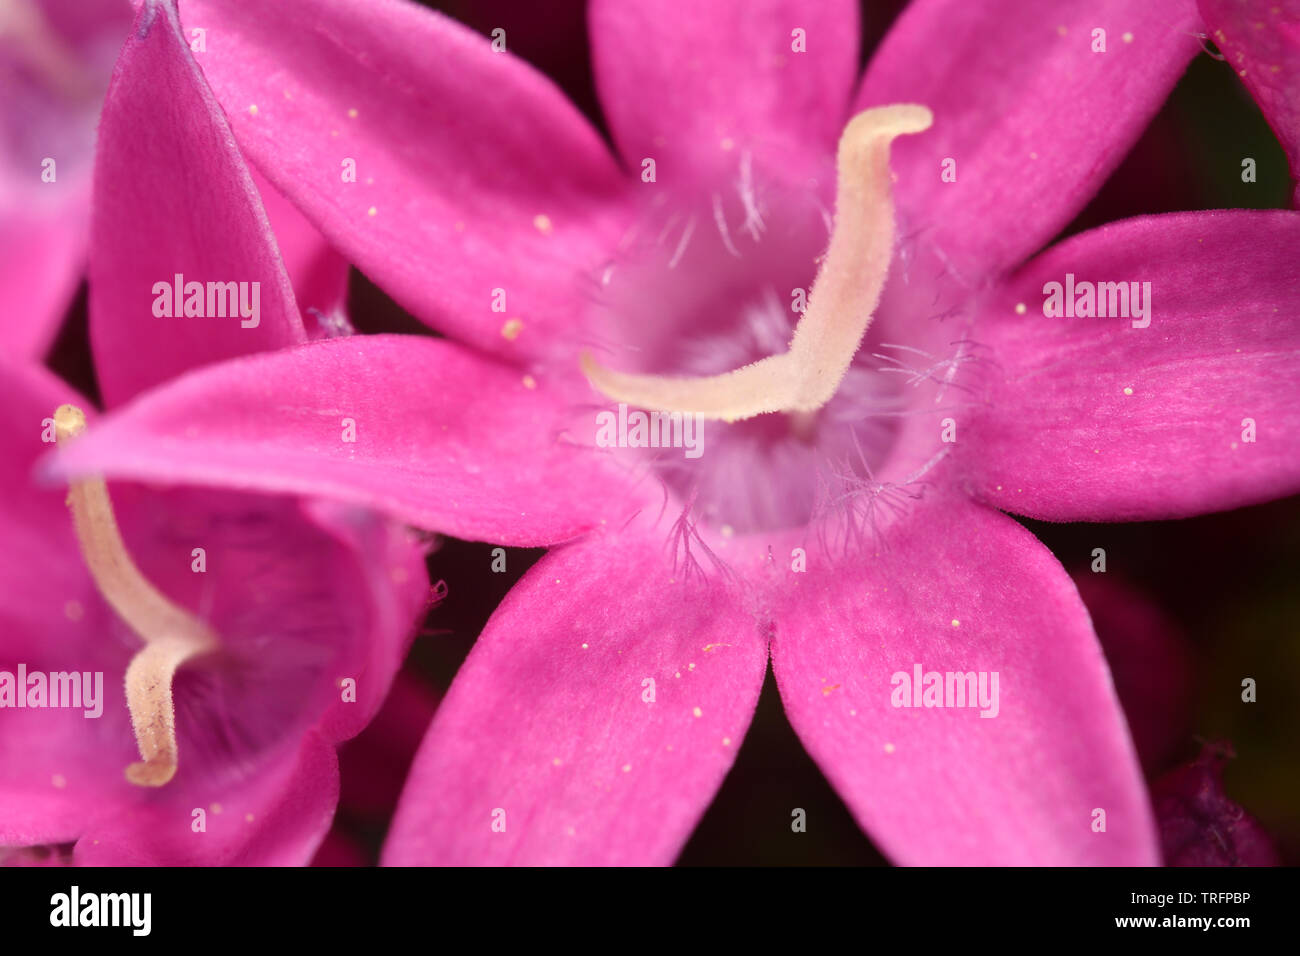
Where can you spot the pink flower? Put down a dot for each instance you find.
(214, 645)
(55, 57)
(848, 502)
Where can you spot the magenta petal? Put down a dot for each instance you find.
(39, 563)
(51, 614)
(1262, 44)
(173, 198)
(444, 439)
(1092, 419)
(698, 86)
(548, 727)
(1150, 661)
(41, 261)
(55, 60)
(472, 172)
(958, 588)
(318, 273)
(277, 817)
(1034, 120)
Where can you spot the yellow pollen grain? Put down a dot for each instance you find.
(627, 768)
(556, 761)
(543, 224)
(889, 748)
(372, 211)
(956, 623)
(1128, 391)
(352, 113)
(690, 667)
(59, 781)
(530, 382)
(511, 329)
(1020, 308)
(1033, 155)
(215, 808)
(678, 674)
(726, 741)
(584, 647)
(252, 110)
(248, 817)
(727, 531)
(826, 691)
(73, 610)
(697, 712)
(728, 144)
(1127, 38)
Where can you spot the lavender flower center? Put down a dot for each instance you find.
(789, 404)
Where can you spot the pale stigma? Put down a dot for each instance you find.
(840, 304)
(171, 634)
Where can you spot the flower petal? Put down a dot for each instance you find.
(1093, 419)
(1262, 44)
(548, 733)
(277, 817)
(1149, 659)
(319, 274)
(698, 86)
(55, 59)
(1034, 120)
(41, 261)
(958, 588)
(441, 438)
(174, 198)
(472, 172)
(50, 615)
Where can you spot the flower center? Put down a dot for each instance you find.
(840, 304)
(696, 301)
(171, 634)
